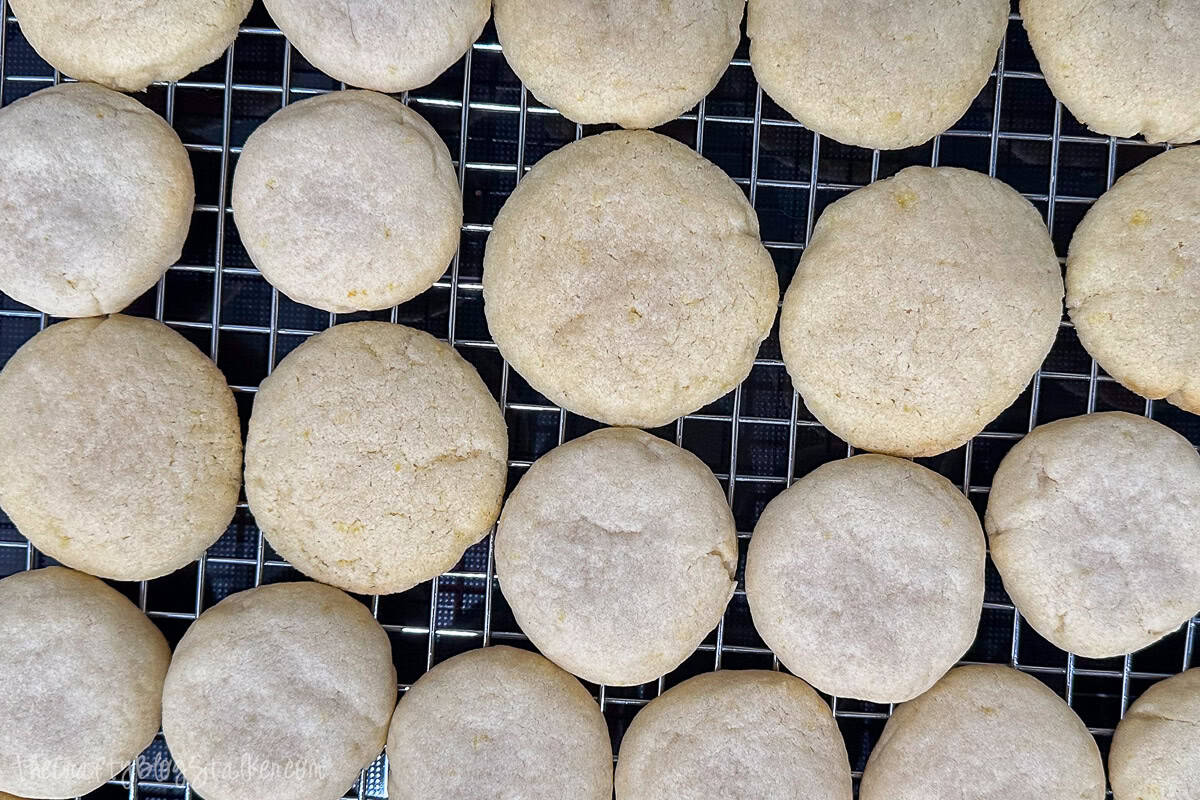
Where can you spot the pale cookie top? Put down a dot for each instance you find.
(734, 734)
(1094, 525)
(499, 722)
(386, 45)
(866, 577)
(348, 202)
(617, 553)
(998, 731)
(96, 192)
(921, 308)
(1122, 67)
(1155, 753)
(128, 44)
(636, 64)
(875, 73)
(625, 280)
(1133, 279)
(121, 451)
(83, 670)
(285, 674)
(375, 456)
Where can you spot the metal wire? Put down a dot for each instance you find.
(1108, 684)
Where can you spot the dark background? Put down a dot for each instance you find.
(756, 439)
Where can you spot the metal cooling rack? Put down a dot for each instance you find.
(757, 439)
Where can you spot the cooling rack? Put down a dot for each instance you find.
(757, 439)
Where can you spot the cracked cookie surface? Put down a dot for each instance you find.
(617, 553)
(96, 195)
(625, 280)
(921, 308)
(375, 457)
(1094, 526)
(866, 577)
(1133, 279)
(121, 450)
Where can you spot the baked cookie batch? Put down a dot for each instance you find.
(625, 279)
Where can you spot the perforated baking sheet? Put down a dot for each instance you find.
(756, 440)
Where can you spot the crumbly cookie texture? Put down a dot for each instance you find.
(1001, 732)
(122, 451)
(282, 691)
(880, 73)
(1094, 526)
(636, 64)
(1122, 67)
(921, 308)
(1155, 750)
(128, 44)
(617, 553)
(375, 457)
(1133, 279)
(385, 45)
(96, 192)
(85, 673)
(734, 733)
(866, 577)
(348, 228)
(625, 280)
(499, 722)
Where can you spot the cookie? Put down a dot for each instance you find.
(97, 195)
(617, 553)
(386, 45)
(866, 577)
(129, 44)
(445, 742)
(876, 74)
(624, 279)
(636, 64)
(1094, 526)
(121, 453)
(734, 734)
(999, 731)
(1122, 67)
(375, 457)
(348, 228)
(957, 276)
(1155, 750)
(281, 691)
(84, 672)
(1133, 275)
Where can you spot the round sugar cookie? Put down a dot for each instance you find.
(866, 577)
(285, 690)
(375, 457)
(96, 192)
(1094, 526)
(84, 672)
(1133, 277)
(880, 73)
(991, 728)
(734, 734)
(1155, 750)
(348, 228)
(636, 64)
(121, 452)
(624, 279)
(617, 553)
(386, 45)
(129, 44)
(445, 742)
(1122, 67)
(921, 308)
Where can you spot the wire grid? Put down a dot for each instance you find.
(757, 440)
